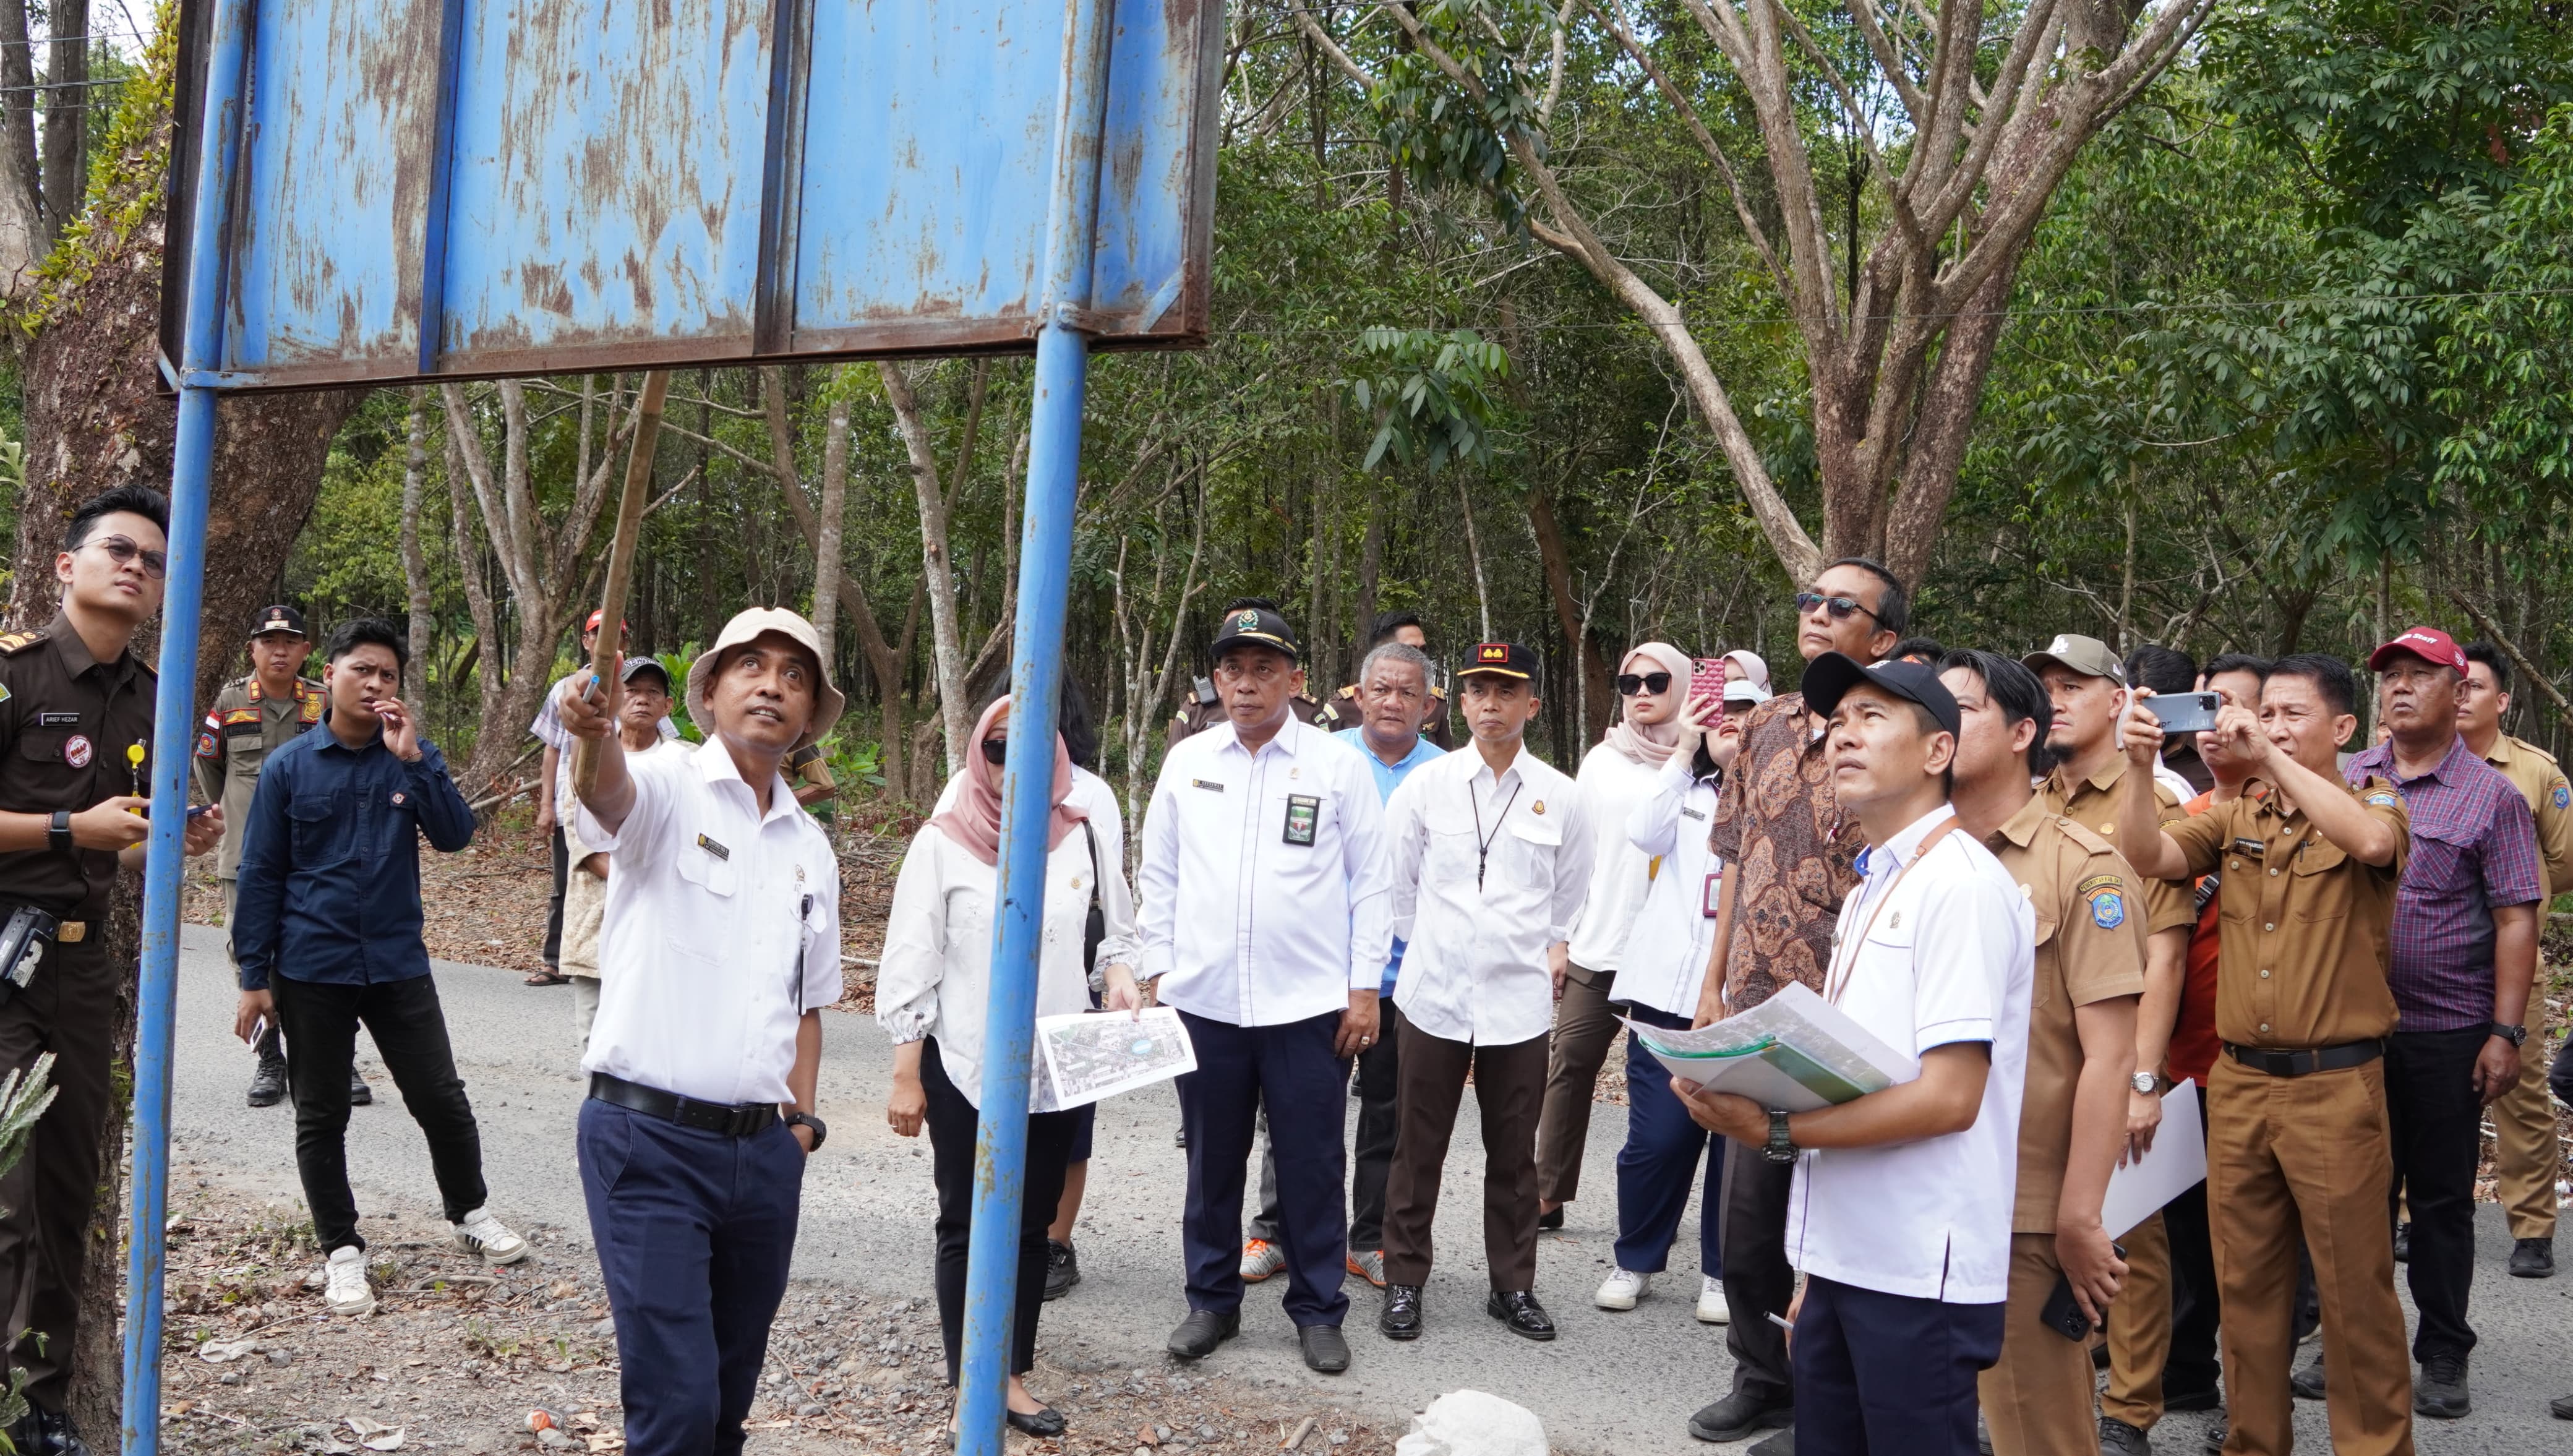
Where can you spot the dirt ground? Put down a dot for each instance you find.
(458, 1357)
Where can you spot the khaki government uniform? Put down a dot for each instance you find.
(1342, 712)
(245, 725)
(2089, 949)
(2303, 941)
(2526, 1158)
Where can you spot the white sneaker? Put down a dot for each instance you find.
(344, 1289)
(1623, 1288)
(480, 1233)
(1711, 1308)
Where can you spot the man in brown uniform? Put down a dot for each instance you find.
(2526, 1156)
(2080, 1051)
(73, 701)
(2297, 1135)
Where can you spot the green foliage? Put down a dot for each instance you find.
(1442, 136)
(1431, 396)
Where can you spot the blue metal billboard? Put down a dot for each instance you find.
(443, 189)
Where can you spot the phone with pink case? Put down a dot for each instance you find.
(1706, 685)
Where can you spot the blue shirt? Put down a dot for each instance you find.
(330, 866)
(1389, 777)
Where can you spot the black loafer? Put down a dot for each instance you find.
(2211, 1398)
(1550, 1222)
(2215, 1435)
(1518, 1310)
(359, 1095)
(1326, 1353)
(42, 1432)
(2307, 1383)
(267, 1085)
(1202, 1331)
(1739, 1415)
(2562, 1407)
(1400, 1317)
(2116, 1438)
(2403, 1243)
(1046, 1422)
(2533, 1259)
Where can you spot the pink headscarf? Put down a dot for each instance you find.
(1651, 744)
(975, 820)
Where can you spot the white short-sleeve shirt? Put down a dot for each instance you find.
(722, 928)
(1949, 956)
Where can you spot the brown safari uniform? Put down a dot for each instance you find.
(1204, 710)
(1342, 712)
(2089, 949)
(2303, 933)
(245, 725)
(2526, 1158)
(66, 720)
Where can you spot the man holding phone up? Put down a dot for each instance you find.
(2089, 970)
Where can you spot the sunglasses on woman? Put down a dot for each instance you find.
(1631, 684)
(996, 752)
(1841, 607)
(121, 549)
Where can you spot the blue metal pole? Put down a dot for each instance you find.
(174, 721)
(1045, 569)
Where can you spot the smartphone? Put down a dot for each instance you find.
(2184, 712)
(2063, 1313)
(1706, 685)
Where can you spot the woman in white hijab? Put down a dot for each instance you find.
(1618, 774)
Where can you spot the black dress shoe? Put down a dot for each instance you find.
(2116, 1438)
(2533, 1259)
(2215, 1435)
(267, 1085)
(2440, 1391)
(2403, 1243)
(1400, 1317)
(2562, 1407)
(1063, 1269)
(1518, 1310)
(1739, 1415)
(1202, 1331)
(1181, 1138)
(1326, 1353)
(359, 1095)
(1046, 1422)
(2309, 1382)
(1551, 1220)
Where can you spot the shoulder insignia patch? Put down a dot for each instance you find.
(2384, 799)
(2097, 883)
(2108, 908)
(1349, 691)
(2563, 796)
(310, 711)
(241, 715)
(17, 642)
(4, 692)
(205, 745)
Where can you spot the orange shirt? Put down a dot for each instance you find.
(2194, 1043)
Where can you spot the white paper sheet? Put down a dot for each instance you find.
(1093, 1055)
(2176, 1164)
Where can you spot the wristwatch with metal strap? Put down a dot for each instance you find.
(1781, 1146)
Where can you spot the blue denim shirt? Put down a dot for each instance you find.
(330, 866)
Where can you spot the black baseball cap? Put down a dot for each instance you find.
(1834, 674)
(278, 618)
(1501, 660)
(637, 666)
(1255, 626)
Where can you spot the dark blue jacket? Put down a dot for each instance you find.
(330, 866)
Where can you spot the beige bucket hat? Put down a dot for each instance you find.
(747, 627)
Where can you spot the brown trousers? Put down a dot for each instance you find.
(2139, 1329)
(2311, 1155)
(1586, 1026)
(2036, 1398)
(1509, 1081)
(2526, 1158)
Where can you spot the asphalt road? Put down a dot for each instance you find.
(1621, 1383)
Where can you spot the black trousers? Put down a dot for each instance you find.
(2198, 1306)
(321, 1024)
(952, 1121)
(1379, 1069)
(1291, 1070)
(69, 1008)
(553, 905)
(2437, 1125)
(1758, 1281)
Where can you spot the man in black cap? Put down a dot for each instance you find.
(264, 710)
(1204, 707)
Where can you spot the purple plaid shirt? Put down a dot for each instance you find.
(2474, 846)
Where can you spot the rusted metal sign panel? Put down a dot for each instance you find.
(455, 188)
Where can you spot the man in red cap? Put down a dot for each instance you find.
(2465, 958)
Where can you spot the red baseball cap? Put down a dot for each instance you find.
(2427, 643)
(600, 616)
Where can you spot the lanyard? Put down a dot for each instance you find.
(1483, 844)
(1837, 984)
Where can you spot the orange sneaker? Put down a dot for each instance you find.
(1367, 1265)
(1260, 1259)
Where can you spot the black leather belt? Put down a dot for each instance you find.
(2305, 1064)
(732, 1122)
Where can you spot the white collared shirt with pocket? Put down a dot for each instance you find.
(722, 928)
(1477, 920)
(1949, 956)
(1665, 954)
(1249, 915)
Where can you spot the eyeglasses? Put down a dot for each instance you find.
(1630, 683)
(996, 751)
(121, 549)
(1841, 607)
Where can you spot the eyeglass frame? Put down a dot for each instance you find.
(156, 564)
(1840, 607)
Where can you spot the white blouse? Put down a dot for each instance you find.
(935, 980)
(1666, 953)
(1611, 786)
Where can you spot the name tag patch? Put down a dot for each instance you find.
(1210, 785)
(1303, 812)
(58, 720)
(713, 848)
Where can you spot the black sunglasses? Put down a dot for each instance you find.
(996, 751)
(1629, 684)
(1841, 606)
(121, 549)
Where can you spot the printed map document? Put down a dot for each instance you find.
(1093, 1055)
(2178, 1162)
(1794, 1051)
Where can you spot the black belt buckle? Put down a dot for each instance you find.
(723, 1117)
(2285, 1064)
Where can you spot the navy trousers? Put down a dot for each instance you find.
(1887, 1374)
(1657, 1170)
(1291, 1067)
(694, 1232)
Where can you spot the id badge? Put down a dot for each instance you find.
(1712, 894)
(1304, 811)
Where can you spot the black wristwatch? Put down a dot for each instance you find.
(2515, 1036)
(807, 1119)
(1781, 1146)
(58, 832)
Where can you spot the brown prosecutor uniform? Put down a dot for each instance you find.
(66, 720)
(2303, 941)
(1206, 709)
(2526, 1156)
(1342, 712)
(2089, 949)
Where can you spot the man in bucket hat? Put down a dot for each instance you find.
(721, 945)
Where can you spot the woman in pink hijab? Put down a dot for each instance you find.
(931, 992)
